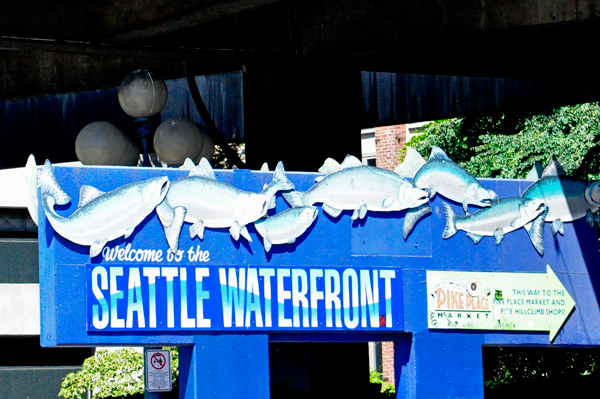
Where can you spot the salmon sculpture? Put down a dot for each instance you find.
(101, 217)
(442, 175)
(505, 216)
(203, 201)
(359, 188)
(285, 227)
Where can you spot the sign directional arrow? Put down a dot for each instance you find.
(497, 301)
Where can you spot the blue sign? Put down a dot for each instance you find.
(159, 297)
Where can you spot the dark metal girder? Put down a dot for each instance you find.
(187, 20)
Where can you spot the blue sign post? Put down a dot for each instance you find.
(222, 300)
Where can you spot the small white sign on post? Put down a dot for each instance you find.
(157, 365)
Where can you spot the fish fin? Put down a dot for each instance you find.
(351, 162)
(499, 235)
(96, 247)
(244, 233)
(165, 213)
(272, 202)
(267, 243)
(431, 191)
(203, 169)
(173, 230)
(536, 231)
(188, 164)
(475, 237)
(553, 169)
(281, 180)
(515, 224)
(413, 216)
(589, 218)
(493, 196)
(387, 202)
(465, 206)
(197, 229)
(360, 212)
(331, 211)
(50, 186)
(319, 178)
(557, 227)
(234, 230)
(88, 194)
(450, 229)
(294, 198)
(438, 153)
(291, 240)
(128, 232)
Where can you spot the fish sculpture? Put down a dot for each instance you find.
(442, 175)
(101, 217)
(359, 188)
(285, 227)
(567, 199)
(501, 218)
(203, 201)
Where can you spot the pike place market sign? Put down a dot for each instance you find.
(497, 301)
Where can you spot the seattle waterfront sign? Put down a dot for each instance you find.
(497, 301)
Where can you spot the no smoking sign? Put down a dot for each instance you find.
(158, 370)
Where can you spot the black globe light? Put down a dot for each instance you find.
(102, 143)
(179, 138)
(142, 94)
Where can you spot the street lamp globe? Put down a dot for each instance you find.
(142, 94)
(102, 143)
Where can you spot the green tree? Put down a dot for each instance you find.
(111, 374)
(507, 145)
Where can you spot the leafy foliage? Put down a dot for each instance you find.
(507, 145)
(111, 374)
(517, 365)
(386, 388)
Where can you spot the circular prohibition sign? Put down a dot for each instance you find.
(158, 361)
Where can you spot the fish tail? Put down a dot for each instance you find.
(280, 182)
(450, 222)
(283, 183)
(50, 186)
(413, 216)
(294, 198)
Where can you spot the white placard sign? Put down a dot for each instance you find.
(157, 364)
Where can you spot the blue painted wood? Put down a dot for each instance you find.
(440, 363)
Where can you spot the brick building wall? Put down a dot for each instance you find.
(387, 362)
(389, 140)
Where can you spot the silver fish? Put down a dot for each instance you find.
(205, 202)
(359, 188)
(286, 226)
(101, 217)
(567, 199)
(501, 218)
(441, 175)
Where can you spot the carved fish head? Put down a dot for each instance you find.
(308, 216)
(412, 195)
(477, 195)
(592, 193)
(154, 191)
(533, 207)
